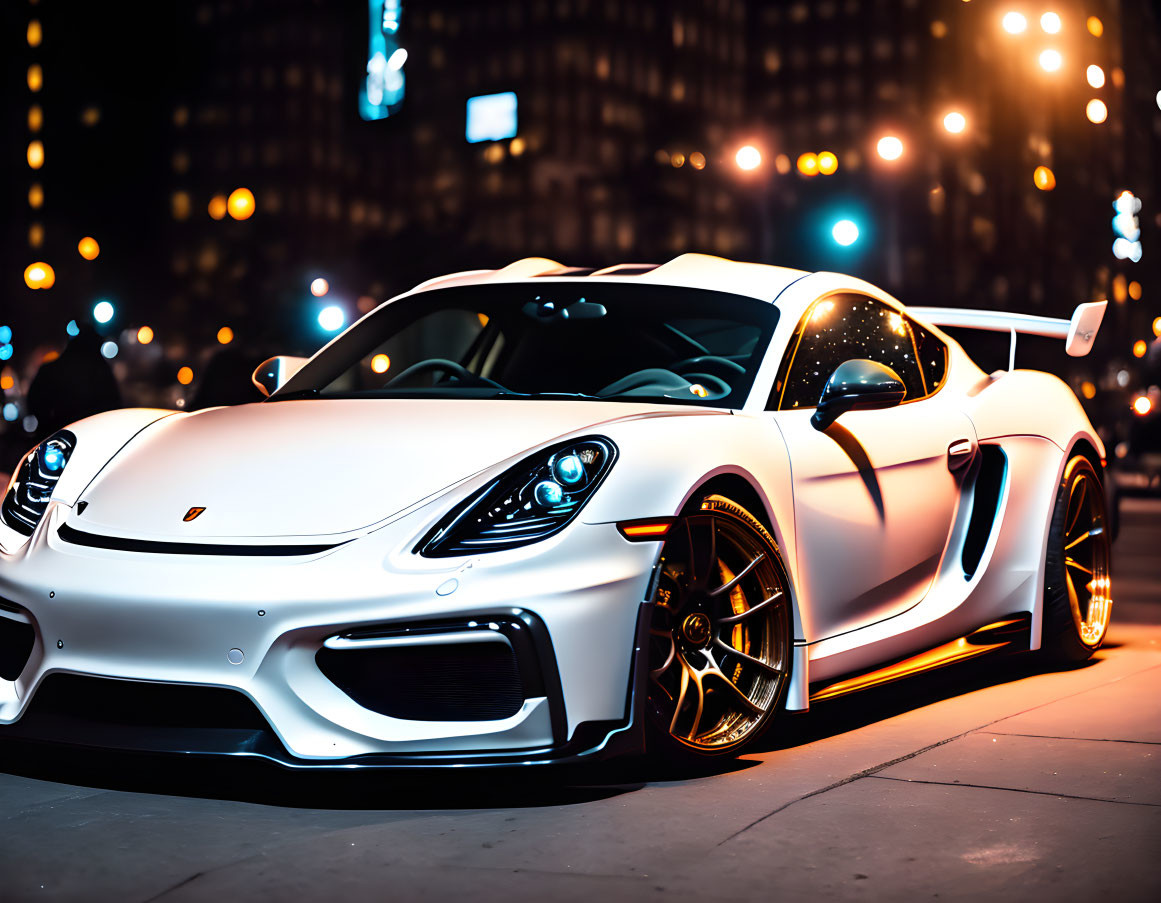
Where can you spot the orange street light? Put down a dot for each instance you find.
(380, 363)
(827, 163)
(748, 158)
(240, 204)
(88, 248)
(889, 147)
(1139, 348)
(225, 335)
(185, 376)
(39, 275)
(808, 164)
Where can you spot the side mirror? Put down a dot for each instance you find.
(271, 375)
(857, 385)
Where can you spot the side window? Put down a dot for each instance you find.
(932, 357)
(837, 329)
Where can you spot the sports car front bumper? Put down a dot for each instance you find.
(164, 641)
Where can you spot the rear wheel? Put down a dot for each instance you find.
(720, 639)
(1077, 594)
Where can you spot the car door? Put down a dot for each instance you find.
(876, 493)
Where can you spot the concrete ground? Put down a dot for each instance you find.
(994, 779)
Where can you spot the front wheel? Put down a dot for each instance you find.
(720, 639)
(1077, 592)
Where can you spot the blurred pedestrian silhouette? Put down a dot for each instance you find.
(75, 385)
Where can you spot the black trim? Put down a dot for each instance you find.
(121, 544)
(989, 485)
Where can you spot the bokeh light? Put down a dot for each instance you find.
(1095, 75)
(1096, 27)
(827, 163)
(1096, 111)
(103, 311)
(331, 318)
(1051, 60)
(1088, 390)
(1157, 327)
(35, 154)
(1135, 290)
(1044, 178)
(88, 248)
(217, 206)
(380, 363)
(240, 204)
(1140, 347)
(145, 335)
(225, 335)
(845, 232)
(319, 287)
(748, 157)
(1014, 22)
(35, 78)
(889, 147)
(954, 122)
(808, 164)
(185, 375)
(39, 275)
(1051, 23)
(1142, 405)
(108, 350)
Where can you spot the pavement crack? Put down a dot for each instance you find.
(1067, 796)
(1082, 739)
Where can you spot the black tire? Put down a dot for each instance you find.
(1077, 560)
(728, 631)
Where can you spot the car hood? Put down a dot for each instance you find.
(309, 468)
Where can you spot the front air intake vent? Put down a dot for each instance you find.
(16, 642)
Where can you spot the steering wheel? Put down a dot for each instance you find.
(439, 364)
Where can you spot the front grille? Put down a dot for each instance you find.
(460, 682)
(133, 703)
(16, 641)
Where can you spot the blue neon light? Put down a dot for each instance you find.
(491, 117)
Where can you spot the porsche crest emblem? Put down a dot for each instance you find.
(192, 514)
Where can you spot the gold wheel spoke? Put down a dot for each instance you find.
(1095, 531)
(726, 647)
(655, 674)
(700, 705)
(680, 695)
(1073, 563)
(741, 616)
(1079, 491)
(745, 700)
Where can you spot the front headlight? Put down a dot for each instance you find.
(529, 502)
(36, 478)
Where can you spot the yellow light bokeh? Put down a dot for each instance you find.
(217, 206)
(1096, 111)
(380, 363)
(517, 146)
(782, 164)
(1120, 288)
(1157, 327)
(225, 335)
(827, 163)
(697, 160)
(35, 154)
(954, 122)
(7, 381)
(889, 147)
(1142, 405)
(1140, 347)
(808, 164)
(35, 118)
(240, 203)
(1135, 290)
(748, 157)
(1088, 390)
(185, 375)
(145, 335)
(180, 204)
(39, 275)
(35, 235)
(1051, 23)
(677, 160)
(35, 196)
(1096, 76)
(34, 33)
(1014, 22)
(35, 78)
(1096, 27)
(1051, 60)
(1044, 178)
(88, 248)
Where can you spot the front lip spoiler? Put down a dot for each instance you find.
(160, 547)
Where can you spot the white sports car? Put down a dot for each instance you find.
(544, 514)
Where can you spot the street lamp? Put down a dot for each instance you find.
(748, 158)
(954, 122)
(1014, 22)
(889, 147)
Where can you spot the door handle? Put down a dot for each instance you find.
(959, 453)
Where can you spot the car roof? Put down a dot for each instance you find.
(703, 271)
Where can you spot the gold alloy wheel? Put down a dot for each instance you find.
(1087, 553)
(720, 635)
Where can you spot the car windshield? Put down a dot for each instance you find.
(590, 340)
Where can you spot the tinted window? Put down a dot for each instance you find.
(582, 340)
(932, 356)
(840, 328)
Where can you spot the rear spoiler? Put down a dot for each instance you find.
(1078, 333)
